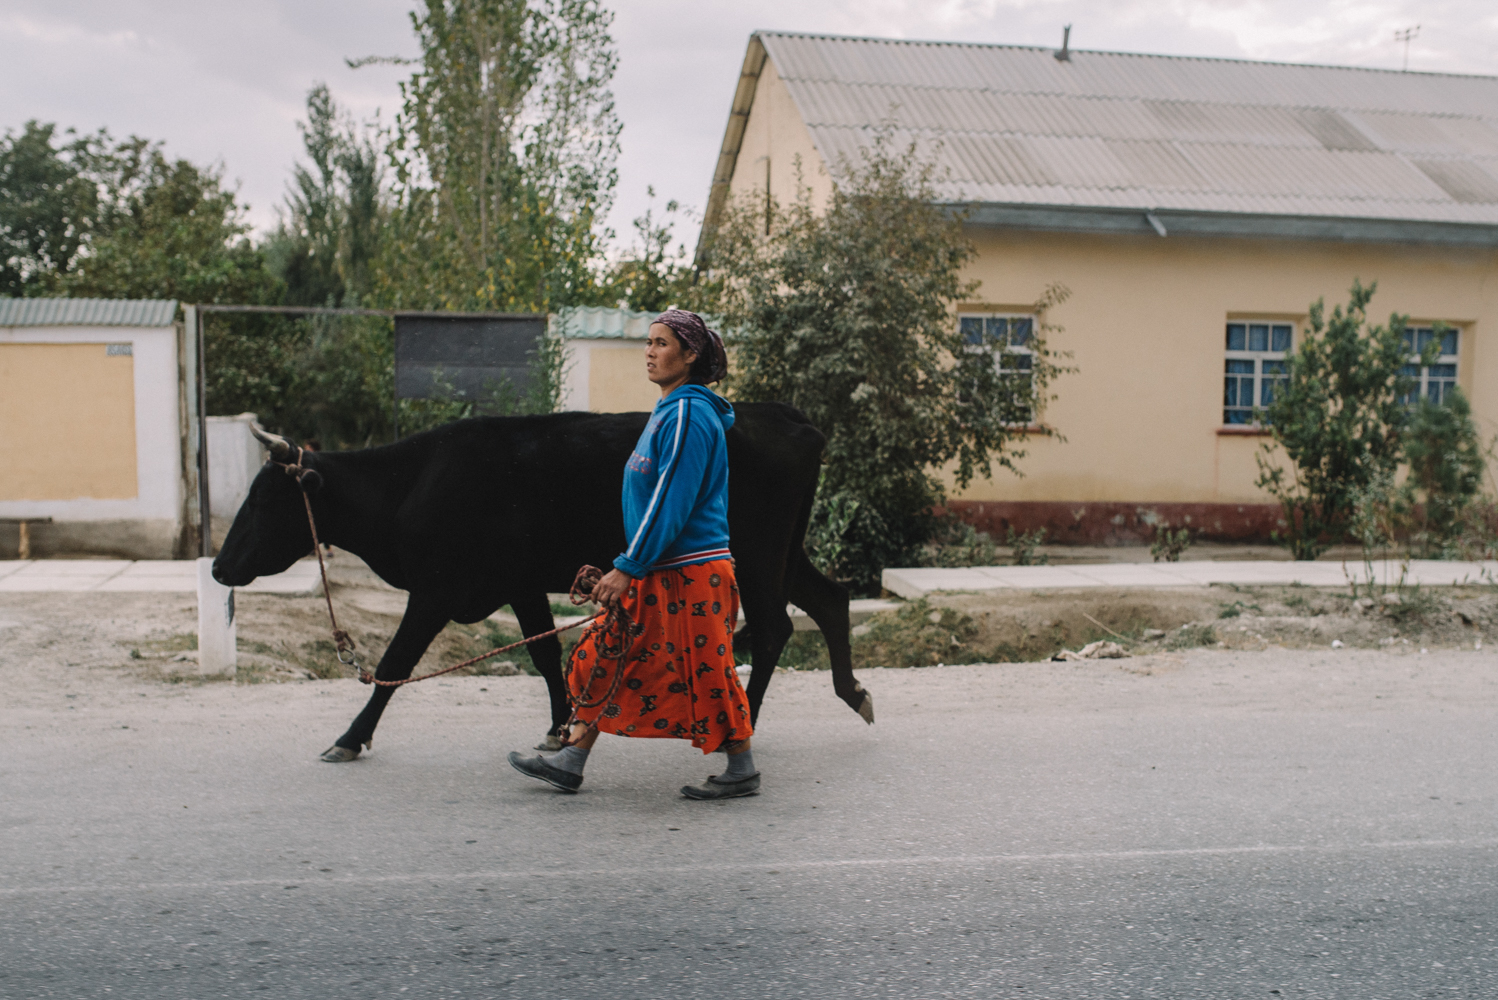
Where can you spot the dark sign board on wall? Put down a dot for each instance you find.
(464, 355)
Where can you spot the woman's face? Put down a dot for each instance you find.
(667, 362)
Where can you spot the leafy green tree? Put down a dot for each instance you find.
(327, 378)
(167, 229)
(330, 230)
(47, 207)
(503, 157)
(652, 276)
(846, 311)
(1446, 463)
(1339, 418)
(95, 217)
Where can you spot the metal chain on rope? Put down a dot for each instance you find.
(616, 630)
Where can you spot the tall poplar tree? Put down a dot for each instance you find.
(503, 156)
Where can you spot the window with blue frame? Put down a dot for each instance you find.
(1432, 382)
(1255, 367)
(1007, 336)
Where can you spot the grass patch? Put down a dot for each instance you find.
(1191, 636)
(917, 635)
(1415, 606)
(803, 651)
(320, 659)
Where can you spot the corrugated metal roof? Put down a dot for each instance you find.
(1015, 125)
(87, 312)
(602, 323)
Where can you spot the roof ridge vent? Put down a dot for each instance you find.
(1063, 54)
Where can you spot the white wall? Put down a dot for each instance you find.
(577, 370)
(158, 448)
(234, 459)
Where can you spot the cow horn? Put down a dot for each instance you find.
(280, 448)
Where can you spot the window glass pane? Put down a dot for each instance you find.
(1274, 367)
(1281, 338)
(1019, 331)
(1237, 416)
(1411, 370)
(1424, 336)
(1240, 366)
(1409, 341)
(1443, 371)
(1258, 336)
(1018, 362)
(998, 330)
(972, 329)
(1448, 343)
(1237, 337)
(1229, 392)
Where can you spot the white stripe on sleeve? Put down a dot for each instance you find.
(660, 482)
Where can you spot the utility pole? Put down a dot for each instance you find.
(1406, 36)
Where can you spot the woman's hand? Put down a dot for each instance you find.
(612, 587)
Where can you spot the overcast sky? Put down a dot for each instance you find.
(225, 82)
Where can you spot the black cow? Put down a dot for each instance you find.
(502, 510)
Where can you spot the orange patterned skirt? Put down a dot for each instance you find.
(679, 678)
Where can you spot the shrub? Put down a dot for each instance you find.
(1169, 544)
(1446, 466)
(1339, 417)
(1022, 547)
(957, 543)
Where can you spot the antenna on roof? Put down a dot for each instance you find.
(1403, 36)
(1063, 54)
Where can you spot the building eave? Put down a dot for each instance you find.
(1168, 223)
(733, 139)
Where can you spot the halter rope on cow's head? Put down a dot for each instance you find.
(310, 481)
(280, 452)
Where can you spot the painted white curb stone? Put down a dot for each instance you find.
(217, 652)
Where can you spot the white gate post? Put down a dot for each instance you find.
(216, 631)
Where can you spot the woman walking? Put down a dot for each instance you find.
(675, 579)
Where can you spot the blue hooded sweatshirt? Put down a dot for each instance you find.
(676, 484)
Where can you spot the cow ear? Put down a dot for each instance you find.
(311, 481)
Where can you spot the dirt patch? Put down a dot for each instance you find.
(1035, 625)
(281, 638)
(1026, 626)
(153, 636)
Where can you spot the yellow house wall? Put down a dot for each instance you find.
(774, 137)
(68, 411)
(1145, 325)
(616, 378)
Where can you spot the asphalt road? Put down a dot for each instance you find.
(1197, 825)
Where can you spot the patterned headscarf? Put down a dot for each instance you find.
(697, 338)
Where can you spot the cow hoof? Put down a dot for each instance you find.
(866, 708)
(551, 744)
(336, 754)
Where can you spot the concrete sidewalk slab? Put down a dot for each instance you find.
(915, 582)
(124, 576)
(859, 611)
(62, 575)
(1136, 575)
